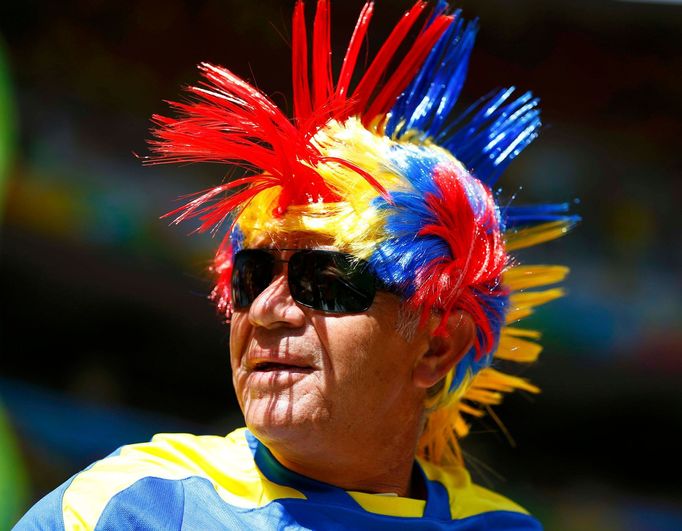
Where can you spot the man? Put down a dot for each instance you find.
(366, 274)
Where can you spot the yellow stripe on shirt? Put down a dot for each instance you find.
(226, 462)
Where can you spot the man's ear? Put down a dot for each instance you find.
(445, 350)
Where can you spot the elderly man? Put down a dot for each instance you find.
(366, 275)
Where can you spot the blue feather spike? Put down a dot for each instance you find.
(455, 79)
(457, 132)
(518, 216)
(418, 110)
(409, 98)
(496, 133)
(428, 101)
(467, 139)
(488, 135)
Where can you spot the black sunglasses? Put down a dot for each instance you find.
(327, 281)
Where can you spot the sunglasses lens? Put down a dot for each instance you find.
(331, 281)
(252, 272)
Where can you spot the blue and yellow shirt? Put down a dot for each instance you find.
(180, 481)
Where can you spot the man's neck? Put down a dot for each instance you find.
(386, 470)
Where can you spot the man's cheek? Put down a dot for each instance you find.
(239, 383)
(239, 328)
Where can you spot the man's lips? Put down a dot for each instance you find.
(273, 367)
(277, 363)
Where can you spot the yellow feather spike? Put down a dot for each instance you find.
(518, 350)
(460, 425)
(517, 314)
(519, 239)
(522, 304)
(470, 410)
(438, 442)
(533, 276)
(483, 396)
(493, 379)
(534, 298)
(520, 332)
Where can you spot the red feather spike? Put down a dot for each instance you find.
(222, 293)
(271, 125)
(299, 63)
(351, 57)
(363, 92)
(402, 76)
(192, 208)
(230, 121)
(323, 84)
(216, 214)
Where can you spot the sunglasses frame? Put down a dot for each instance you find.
(361, 267)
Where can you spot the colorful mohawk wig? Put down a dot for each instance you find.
(386, 169)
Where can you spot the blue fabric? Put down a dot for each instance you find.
(47, 513)
(193, 504)
(150, 503)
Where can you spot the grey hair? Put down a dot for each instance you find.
(407, 322)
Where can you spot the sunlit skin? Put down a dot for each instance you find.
(344, 404)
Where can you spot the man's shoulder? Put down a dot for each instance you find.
(149, 474)
(167, 456)
(175, 456)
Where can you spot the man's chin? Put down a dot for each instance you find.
(282, 421)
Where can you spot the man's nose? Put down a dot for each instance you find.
(275, 307)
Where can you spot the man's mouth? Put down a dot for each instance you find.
(271, 366)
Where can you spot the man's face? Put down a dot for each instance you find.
(305, 378)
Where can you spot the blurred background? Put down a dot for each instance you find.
(106, 333)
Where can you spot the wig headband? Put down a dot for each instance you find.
(389, 171)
